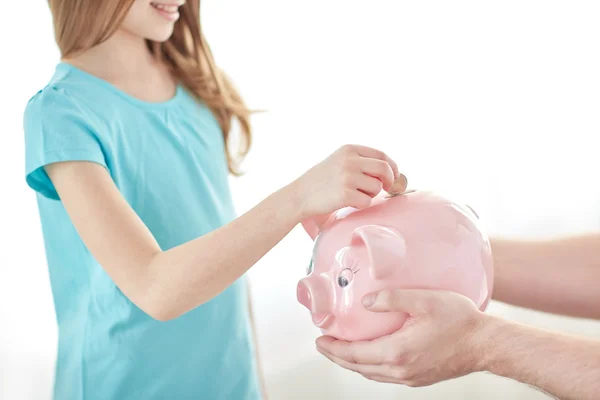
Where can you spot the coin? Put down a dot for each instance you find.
(399, 186)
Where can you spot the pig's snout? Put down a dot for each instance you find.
(304, 295)
(314, 295)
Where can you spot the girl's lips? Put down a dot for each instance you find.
(167, 10)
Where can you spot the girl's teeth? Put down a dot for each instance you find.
(166, 7)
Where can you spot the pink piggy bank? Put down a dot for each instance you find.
(415, 240)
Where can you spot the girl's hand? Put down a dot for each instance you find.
(350, 177)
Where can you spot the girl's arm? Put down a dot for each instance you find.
(166, 284)
(559, 276)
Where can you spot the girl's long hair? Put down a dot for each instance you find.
(82, 24)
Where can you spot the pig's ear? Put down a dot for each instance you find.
(385, 247)
(313, 226)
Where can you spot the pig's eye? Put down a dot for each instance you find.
(345, 277)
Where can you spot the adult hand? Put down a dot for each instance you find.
(442, 339)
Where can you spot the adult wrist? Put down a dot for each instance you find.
(485, 343)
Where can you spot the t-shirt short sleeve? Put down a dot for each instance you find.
(57, 129)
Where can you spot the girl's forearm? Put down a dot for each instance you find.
(188, 275)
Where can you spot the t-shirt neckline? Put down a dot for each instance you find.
(179, 92)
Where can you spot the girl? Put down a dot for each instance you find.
(127, 147)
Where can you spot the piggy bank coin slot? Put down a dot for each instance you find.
(390, 195)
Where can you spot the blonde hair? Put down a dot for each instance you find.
(82, 24)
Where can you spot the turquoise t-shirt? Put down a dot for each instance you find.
(168, 161)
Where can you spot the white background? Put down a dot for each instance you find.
(517, 81)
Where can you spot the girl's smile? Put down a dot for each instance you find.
(170, 11)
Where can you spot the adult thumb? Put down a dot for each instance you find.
(410, 301)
